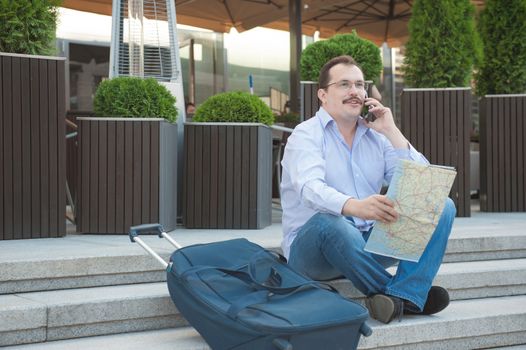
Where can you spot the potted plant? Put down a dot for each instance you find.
(364, 52)
(32, 107)
(127, 157)
(501, 86)
(442, 49)
(228, 163)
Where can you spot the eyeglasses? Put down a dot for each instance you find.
(346, 85)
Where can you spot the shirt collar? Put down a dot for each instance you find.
(325, 118)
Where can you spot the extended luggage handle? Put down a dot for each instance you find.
(156, 229)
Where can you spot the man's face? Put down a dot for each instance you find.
(343, 101)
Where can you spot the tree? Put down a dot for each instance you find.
(443, 44)
(502, 28)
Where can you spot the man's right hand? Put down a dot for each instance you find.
(375, 207)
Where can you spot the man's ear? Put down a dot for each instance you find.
(322, 95)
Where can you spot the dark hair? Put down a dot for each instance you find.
(324, 78)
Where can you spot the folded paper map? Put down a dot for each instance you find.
(419, 192)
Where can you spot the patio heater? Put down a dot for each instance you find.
(144, 44)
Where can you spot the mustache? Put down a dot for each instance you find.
(354, 98)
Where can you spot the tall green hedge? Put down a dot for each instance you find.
(28, 26)
(134, 97)
(364, 52)
(502, 27)
(235, 107)
(443, 44)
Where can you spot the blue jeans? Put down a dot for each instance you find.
(329, 246)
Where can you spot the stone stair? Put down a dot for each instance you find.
(92, 292)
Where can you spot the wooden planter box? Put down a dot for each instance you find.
(502, 153)
(227, 175)
(309, 99)
(32, 147)
(126, 174)
(437, 122)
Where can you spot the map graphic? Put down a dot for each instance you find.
(419, 192)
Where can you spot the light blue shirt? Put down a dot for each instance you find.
(321, 172)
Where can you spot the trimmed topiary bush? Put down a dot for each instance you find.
(502, 28)
(443, 45)
(364, 52)
(234, 107)
(28, 26)
(134, 97)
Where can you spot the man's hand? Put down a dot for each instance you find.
(384, 123)
(375, 207)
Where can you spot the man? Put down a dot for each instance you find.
(333, 169)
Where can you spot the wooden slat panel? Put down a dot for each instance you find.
(205, 194)
(502, 156)
(505, 122)
(436, 122)
(93, 173)
(214, 176)
(17, 147)
(441, 137)
(137, 174)
(111, 176)
(503, 131)
(128, 152)
(188, 187)
(521, 157)
(222, 177)
(229, 177)
(145, 203)
(61, 142)
(44, 149)
(155, 176)
(102, 192)
(514, 155)
(2, 164)
(495, 159)
(53, 150)
(27, 173)
(253, 175)
(8, 148)
(245, 175)
(121, 177)
(7, 139)
(237, 176)
(199, 178)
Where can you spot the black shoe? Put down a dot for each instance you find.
(385, 308)
(437, 300)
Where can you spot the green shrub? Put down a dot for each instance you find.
(364, 52)
(443, 44)
(502, 28)
(134, 97)
(28, 26)
(235, 107)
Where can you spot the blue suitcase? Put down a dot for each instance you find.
(238, 295)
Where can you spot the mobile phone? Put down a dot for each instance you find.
(368, 116)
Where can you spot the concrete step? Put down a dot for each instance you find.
(64, 314)
(78, 261)
(469, 324)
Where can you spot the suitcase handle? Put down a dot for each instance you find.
(146, 229)
(151, 229)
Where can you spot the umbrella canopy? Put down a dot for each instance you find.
(216, 15)
(376, 20)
